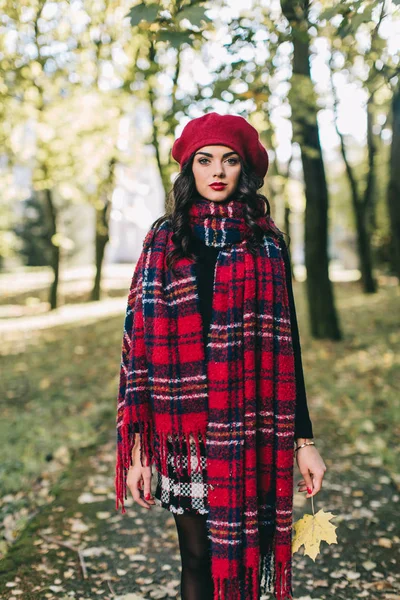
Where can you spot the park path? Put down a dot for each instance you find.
(135, 556)
(17, 317)
(36, 315)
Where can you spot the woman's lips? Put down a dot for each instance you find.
(218, 186)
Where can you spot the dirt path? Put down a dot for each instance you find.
(135, 556)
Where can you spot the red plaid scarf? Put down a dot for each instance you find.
(239, 393)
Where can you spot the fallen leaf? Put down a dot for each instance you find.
(385, 542)
(88, 498)
(121, 572)
(78, 526)
(56, 588)
(310, 530)
(95, 551)
(129, 597)
(352, 575)
(321, 583)
(369, 565)
(103, 515)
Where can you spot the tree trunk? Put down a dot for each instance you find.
(54, 247)
(322, 312)
(287, 230)
(362, 206)
(366, 209)
(364, 250)
(102, 229)
(155, 133)
(101, 241)
(393, 193)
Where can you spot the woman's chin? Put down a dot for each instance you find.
(216, 195)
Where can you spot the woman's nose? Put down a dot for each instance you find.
(218, 172)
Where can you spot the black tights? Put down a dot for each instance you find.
(196, 582)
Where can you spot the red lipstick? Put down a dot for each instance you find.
(218, 186)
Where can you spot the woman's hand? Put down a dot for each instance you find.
(312, 467)
(139, 480)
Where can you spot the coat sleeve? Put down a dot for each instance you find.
(134, 415)
(303, 425)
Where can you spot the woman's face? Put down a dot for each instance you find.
(216, 164)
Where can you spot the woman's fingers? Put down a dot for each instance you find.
(134, 483)
(317, 481)
(311, 482)
(136, 494)
(308, 484)
(312, 468)
(147, 486)
(302, 486)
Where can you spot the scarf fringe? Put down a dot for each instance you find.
(282, 581)
(178, 451)
(258, 581)
(278, 574)
(148, 454)
(124, 456)
(147, 451)
(232, 588)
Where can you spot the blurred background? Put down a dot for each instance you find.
(93, 94)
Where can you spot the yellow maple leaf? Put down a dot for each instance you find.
(311, 530)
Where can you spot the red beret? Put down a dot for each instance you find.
(226, 130)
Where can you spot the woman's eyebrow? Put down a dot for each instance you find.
(223, 156)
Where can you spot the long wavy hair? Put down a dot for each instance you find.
(184, 193)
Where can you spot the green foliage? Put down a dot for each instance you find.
(175, 38)
(194, 13)
(60, 113)
(353, 13)
(152, 11)
(69, 77)
(33, 234)
(63, 381)
(143, 12)
(166, 25)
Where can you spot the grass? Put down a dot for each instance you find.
(353, 384)
(60, 385)
(59, 391)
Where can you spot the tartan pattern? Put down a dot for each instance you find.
(180, 494)
(239, 392)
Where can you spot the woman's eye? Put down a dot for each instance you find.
(235, 160)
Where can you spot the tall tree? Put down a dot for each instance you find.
(393, 192)
(349, 55)
(36, 82)
(105, 35)
(73, 104)
(361, 201)
(44, 96)
(322, 312)
(160, 28)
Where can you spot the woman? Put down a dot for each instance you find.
(211, 377)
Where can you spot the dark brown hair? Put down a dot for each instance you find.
(183, 194)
